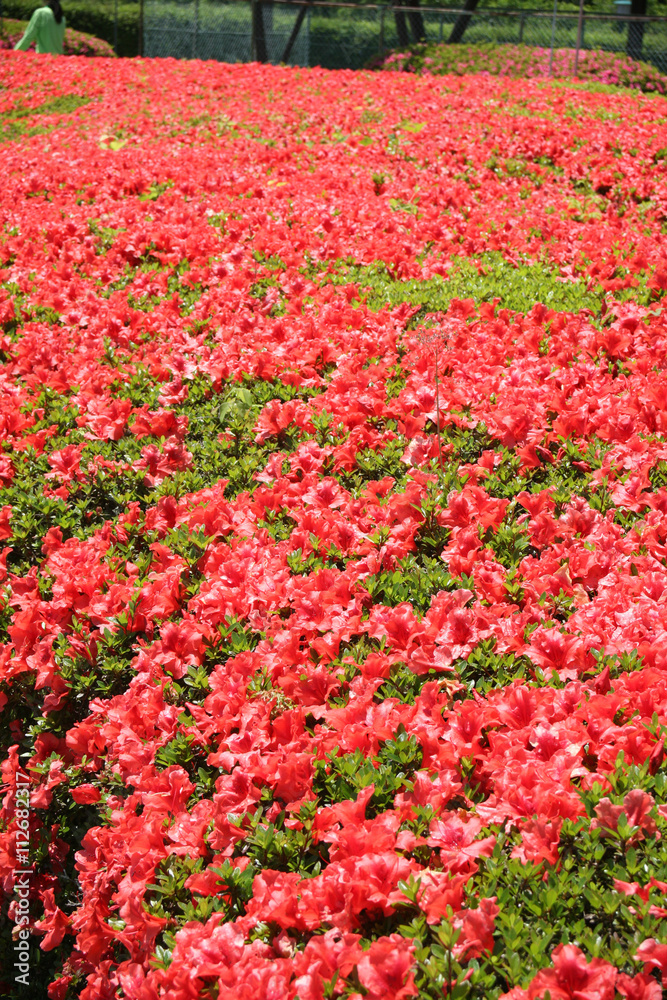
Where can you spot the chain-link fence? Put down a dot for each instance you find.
(338, 35)
(227, 31)
(644, 38)
(343, 35)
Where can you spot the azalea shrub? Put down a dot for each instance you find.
(593, 66)
(76, 43)
(333, 534)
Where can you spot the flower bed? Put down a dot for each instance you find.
(333, 534)
(522, 61)
(77, 43)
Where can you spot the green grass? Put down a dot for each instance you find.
(518, 288)
(17, 122)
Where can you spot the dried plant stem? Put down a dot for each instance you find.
(437, 407)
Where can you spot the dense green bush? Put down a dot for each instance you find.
(342, 43)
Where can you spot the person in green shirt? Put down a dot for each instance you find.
(47, 28)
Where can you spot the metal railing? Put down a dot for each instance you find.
(340, 35)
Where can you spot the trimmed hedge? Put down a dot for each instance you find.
(93, 19)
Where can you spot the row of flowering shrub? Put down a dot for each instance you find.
(77, 43)
(333, 531)
(593, 66)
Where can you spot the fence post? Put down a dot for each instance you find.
(253, 36)
(305, 9)
(462, 22)
(258, 38)
(580, 35)
(553, 40)
(195, 30)
(310, 11)
(522, 23)
(382, 9)
(140, 40)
